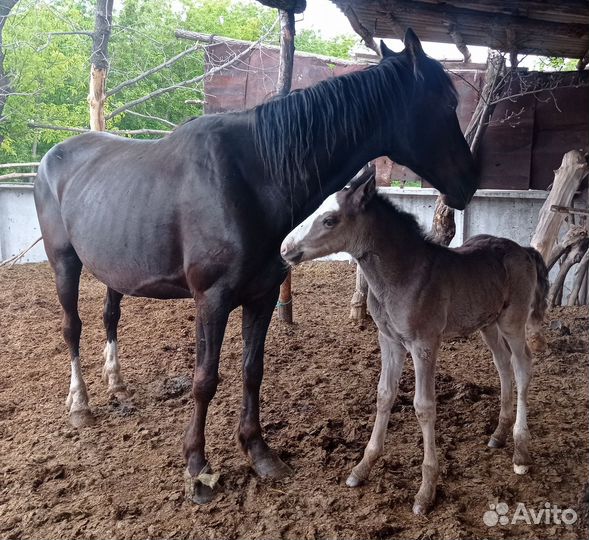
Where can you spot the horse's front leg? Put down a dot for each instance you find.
(424, 360)
(256, 319)
(212, 312)
(393, 359)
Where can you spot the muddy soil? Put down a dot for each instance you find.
(122, 478)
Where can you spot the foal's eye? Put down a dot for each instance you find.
(330, 222)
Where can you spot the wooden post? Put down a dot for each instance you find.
(443, 225)
(358, 304)
(566, 182)
(99, 61)
(287, 35)
(285, 300)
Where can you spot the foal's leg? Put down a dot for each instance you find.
(393, 359)
(68, 267)
(521, 359)
(424, 359)
(212, 313)
(501, 359)
(111, 372)
(256, 319)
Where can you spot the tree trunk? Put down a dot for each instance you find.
(5, 7)
(287, 35)
(443, 226)
(99, 61)
(566, 182)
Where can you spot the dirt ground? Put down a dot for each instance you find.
(122, 478)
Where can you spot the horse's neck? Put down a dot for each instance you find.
(392, 251)
(356, 137)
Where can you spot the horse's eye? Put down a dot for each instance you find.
(330, 222)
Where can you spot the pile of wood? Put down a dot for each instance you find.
(562, 234)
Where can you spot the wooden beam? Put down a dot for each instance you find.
(459, 42)
(284, 83)
(363, 32)
(569, 210)
(583, 61)
(287, 48)
(447, 13)
(294, 6)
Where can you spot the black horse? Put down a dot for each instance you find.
(201, 214)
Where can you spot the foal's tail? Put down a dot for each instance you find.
(535, 337)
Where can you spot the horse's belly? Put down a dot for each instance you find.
(134, 280)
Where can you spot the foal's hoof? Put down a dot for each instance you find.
(521, 469)
(353, 481)
(200, 489)
(420, 509)
(271, 466)
(495, 443)
(82, 418)
(123, 395)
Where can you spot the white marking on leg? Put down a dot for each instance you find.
(77, 399)
(111, 372)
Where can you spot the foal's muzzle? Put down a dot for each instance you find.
(290, 253)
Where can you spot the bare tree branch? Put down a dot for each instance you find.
(153, 70)
(156, 118)
(17, 165)
(11, 176)
(114, 131)
(194, 80)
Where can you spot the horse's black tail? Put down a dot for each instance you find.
(536, 340)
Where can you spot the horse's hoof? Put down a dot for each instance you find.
(122, 394)
(495, 443)
(521, 469)
(420, 509)
(200, 489)
(353, 481)
(271, 466)
(82, 418)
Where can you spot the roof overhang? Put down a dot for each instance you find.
(547, 28)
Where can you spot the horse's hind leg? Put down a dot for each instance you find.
(68, 267)
(521, 359)
(111, 372)
(501, 359)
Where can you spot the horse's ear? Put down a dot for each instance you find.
(363, 189)
(385, 51)
(412, 43)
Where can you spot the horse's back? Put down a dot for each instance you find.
(138, 213)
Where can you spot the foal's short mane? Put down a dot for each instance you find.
(291, 132)
(404, 220)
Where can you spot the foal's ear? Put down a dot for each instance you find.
(363, 189)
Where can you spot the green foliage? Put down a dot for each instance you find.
(312, 42)
(551, 63)
(50, 71)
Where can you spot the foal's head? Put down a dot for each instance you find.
(334, 226)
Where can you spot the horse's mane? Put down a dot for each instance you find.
(402, 218)
(288, 131)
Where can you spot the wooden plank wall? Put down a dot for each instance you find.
(523, 145)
